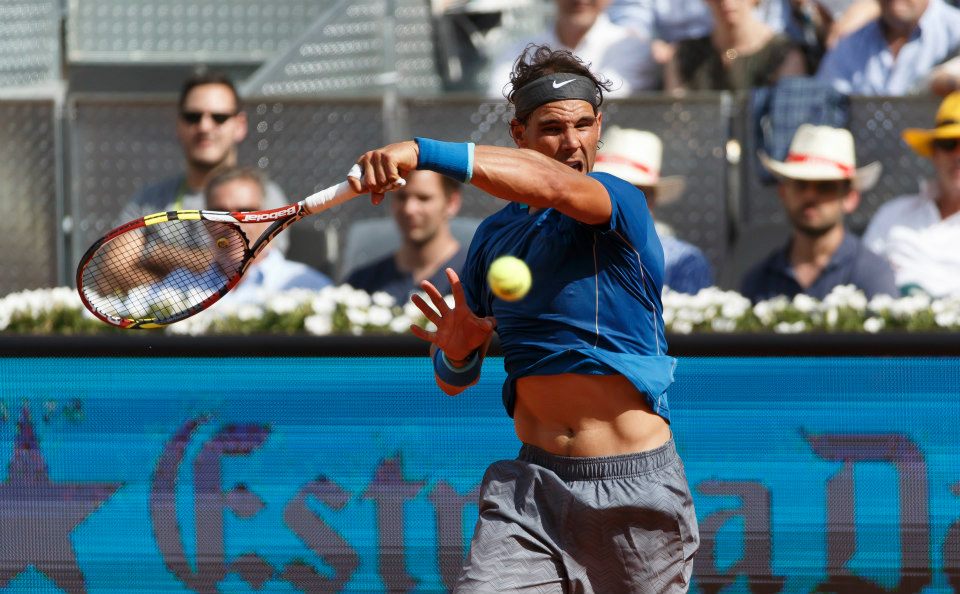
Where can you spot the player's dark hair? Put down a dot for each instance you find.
(537, 61)
(208, 78)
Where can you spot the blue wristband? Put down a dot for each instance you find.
(457, 376)
(453, 159)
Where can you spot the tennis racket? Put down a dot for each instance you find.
(168, 266)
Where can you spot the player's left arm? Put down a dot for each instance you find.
(452, 389)
(461, 339)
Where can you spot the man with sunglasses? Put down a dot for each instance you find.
(819, 183)
(210, 126)
(919, 234)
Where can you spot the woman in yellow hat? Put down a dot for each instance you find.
(919, 234)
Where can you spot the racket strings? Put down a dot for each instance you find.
(162, 271)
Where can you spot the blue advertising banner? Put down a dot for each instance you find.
(357, 474)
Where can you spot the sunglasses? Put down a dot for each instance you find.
(195, 117)
(833, 186)
(947, 145)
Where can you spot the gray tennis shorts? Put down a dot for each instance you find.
(600, 525)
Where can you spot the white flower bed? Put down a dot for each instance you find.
(845, 309)
(346, 311)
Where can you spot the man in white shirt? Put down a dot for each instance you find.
(241, 189)
(235, 189)
(920, 234)
(619, 54)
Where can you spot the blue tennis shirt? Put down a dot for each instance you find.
(594, 307)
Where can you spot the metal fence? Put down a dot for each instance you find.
(175, 31)
(60, 195)
(30, 162)
(359, 47)
(29, 42)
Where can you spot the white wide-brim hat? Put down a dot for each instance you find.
(635, 157)
(821, 153)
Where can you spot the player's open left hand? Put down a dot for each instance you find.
(383, 168)
(459, 332)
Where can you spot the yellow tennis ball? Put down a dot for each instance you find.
(223, 242)
(509, 278)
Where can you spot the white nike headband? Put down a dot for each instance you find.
(555, 87)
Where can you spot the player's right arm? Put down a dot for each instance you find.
(461, 336)
(527, 176)
(517, 175)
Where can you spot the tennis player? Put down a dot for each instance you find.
(597, 500)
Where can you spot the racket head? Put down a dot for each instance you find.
(123, 280)
(165, 267)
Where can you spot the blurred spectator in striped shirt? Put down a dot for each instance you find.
(895, 53)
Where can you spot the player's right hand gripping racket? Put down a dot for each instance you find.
(167, 266)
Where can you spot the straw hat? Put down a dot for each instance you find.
(823, 153)
(946, 125)
(635, 156)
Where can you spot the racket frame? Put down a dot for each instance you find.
(282, 218)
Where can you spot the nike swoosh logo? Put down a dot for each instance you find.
(557, 85)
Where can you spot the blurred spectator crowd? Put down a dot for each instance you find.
(861, 47)
(808, 55)
(814, 53)
(797, 60)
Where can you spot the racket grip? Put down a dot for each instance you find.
(335, 195)
(332, 196)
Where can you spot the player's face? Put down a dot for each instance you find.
(421, 209)
(946, 162)
(566, 131)
(207, 142)
(816, 207)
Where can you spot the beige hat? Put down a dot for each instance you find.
(635, 156)
(823, 153)
(946, 125)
